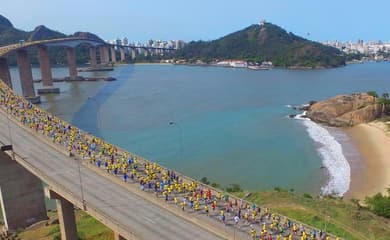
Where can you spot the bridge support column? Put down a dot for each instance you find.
(102, 53)
(117, 236)
(113, 55)
(106, 54)
(21, 195)
(47, 79)
(122, 52)
(92, 55)
(26, 76)
(66, 216)
(4, 72)
(71, 55)
(133, 54)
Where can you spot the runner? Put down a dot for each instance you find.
(253, 233)
(206, 209)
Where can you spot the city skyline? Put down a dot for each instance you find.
(202, 20)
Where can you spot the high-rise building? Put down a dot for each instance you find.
(125, 41)
(179, 44)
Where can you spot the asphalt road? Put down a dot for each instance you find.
(144, 219)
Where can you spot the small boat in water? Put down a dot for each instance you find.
(95, 69)
(266, 65)
(258, 68)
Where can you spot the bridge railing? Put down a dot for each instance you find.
(7, 49)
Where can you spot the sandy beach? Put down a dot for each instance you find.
(373, 174)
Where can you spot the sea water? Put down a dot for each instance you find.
(228, 125)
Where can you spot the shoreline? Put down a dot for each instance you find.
(371, 173)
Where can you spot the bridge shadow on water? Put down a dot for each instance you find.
(88, 117)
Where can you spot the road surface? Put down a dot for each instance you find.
(145, 220)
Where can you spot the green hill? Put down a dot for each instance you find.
(9, 34)
(267, 42)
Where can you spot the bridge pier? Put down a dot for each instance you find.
(103, 55)
(117, 236)
(122, 52)
(26, 76)
(71, 56)
(21, 195)
(113, 55)
(5, 74)
(92, 55)
(133, 53)
(106, 54)
(66, 216)
(47, 78)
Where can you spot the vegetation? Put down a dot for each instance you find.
(347, 219)
(384, 101)
(264, 43)
(379, 204)
(373, 94)
(234, 188)
(205, 180)
(354, 56)
(88, 228)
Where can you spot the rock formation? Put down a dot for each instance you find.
(345, 110)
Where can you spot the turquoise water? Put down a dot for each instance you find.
(230, 125)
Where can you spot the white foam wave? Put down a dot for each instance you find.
(332, 156)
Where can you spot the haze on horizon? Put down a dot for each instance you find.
(206, 20)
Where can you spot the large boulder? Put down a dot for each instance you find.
(345, 110)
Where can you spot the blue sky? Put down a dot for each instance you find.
(203, 19)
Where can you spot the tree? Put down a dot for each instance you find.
(205, 180)
(373, 94)
(384, 101)
(379, 204)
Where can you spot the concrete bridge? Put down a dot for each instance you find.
(70, 45)
(31, 152)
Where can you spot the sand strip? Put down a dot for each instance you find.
(374, 147)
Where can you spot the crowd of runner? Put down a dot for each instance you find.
(188, 195)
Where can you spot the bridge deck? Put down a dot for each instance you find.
(145, 220)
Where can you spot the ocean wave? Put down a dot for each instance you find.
(332, 156)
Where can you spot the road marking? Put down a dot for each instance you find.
(149, 220)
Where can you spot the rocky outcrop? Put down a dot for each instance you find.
(345, 110)
(42, 33)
